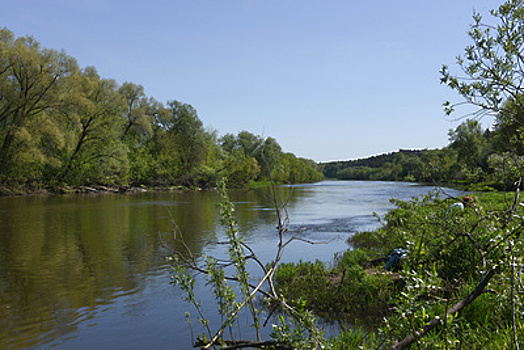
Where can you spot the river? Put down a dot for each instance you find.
(90, 271)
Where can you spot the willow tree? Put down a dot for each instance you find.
(32, 81)
(138, 112)
(94, 111)
(266, 151)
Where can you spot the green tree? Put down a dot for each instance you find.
(268, 155)
(249, 143)
(493, 65)
(181, 145)
(138, 112)
(412, 167)
(95, 115)
(31, 88)
(470, 143)
(266, 151)
(439, 165)
(508, 132)
(192, 139)
(240, 169)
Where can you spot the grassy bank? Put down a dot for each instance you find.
(451, 251)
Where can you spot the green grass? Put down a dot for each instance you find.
(443, 267)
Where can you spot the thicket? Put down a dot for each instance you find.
(64, 125)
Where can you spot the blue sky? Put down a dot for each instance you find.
(329, 79)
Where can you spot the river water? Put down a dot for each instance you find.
(86, 272)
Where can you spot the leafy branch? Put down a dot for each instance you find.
(225, 285)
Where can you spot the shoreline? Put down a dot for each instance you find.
(20, 191)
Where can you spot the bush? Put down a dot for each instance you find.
(346, 291)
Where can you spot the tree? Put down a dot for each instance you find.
(138, 120)
(191, 137)
(266, 151)
(94, 112)
(508, 131)
(412, 167)
(240, 169)
(269, 155)
(493, 65)
(32, 83)
(470, 143)
(180, 143)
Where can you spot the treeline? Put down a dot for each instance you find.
(64, 125)
(493, 157)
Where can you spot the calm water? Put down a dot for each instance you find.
(84, 272)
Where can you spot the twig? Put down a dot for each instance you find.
(241, 344)
(513, 313)
(240, 307)
(406, 342)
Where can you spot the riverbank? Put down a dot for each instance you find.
(29, 190)
(33, 190)
(453, 256)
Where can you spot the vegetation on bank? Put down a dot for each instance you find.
(450, 253)
(475, 157)
(62, 125)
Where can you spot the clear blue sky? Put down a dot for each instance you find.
(329, 79)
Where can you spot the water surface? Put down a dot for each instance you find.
(86, 272)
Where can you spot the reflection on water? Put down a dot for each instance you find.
(89, 271)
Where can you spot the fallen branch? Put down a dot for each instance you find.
(241, 344)
(437, 321)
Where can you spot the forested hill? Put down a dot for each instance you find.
(475, 156)
(335, 169)
(62, 125)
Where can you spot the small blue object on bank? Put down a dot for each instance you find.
(455, 206)
(395, 257)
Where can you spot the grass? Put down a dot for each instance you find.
(443, 266)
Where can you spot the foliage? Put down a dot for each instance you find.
(450, 252)
(508, 167)
(472, 156)
(404, 165)
(238, 293)
(63, 125)
(469, 142)
(345, 291)
(32, 81)
(263, 160)
(95, 151)
(492, 64)
(240, 169)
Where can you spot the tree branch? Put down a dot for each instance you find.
(241, 344)
(437, 321)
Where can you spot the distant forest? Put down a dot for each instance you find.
(62, 125)
(485, 159)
